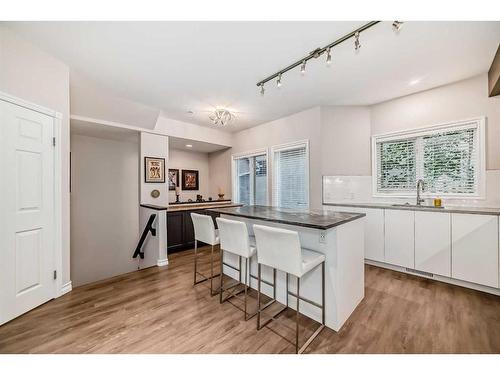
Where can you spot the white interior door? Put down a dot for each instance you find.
(27, 261)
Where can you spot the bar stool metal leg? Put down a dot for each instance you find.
(195, 260)
(297, 318)
(221, 274)
(258, 295)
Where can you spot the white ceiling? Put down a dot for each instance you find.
(197, 66)
(102, 131)
(197, 146)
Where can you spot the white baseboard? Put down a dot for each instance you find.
(66, 288)
(162, 262)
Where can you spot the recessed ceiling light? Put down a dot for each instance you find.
(189, 112)
(189, 146)
(414, 81)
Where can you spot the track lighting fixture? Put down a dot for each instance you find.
(357, 44)
(397, 25)
(328, 56)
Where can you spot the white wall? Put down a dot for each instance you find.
(180, 160)
(219, 164)
(457, 101)
(345, 136)
(156, 146)
(104, 208)
(31, 74)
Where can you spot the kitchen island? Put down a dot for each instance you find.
(337, 235)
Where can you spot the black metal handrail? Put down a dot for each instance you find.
(147, 229)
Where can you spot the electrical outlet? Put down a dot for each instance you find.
(322, 237)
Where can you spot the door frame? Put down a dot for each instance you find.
(57, 116)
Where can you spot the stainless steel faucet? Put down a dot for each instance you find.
(420, 183)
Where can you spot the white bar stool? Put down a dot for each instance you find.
(280, 249)
(204, 231)
(234, 239)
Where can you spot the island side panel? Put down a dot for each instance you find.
(350, 277)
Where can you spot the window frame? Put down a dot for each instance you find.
(285, 147)
(234, 175)
(477, 122)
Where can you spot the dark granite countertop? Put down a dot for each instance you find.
(450, 209)
(192, 206)
(317, 219)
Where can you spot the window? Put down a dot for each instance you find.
(291, 175)
(250, 183)
(449, 158)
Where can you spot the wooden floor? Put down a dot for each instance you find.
(157, 310)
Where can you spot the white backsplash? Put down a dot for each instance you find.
(345, 189)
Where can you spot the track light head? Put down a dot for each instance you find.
(396, 26)
(262, 90)
(328, 56)
(357, 44)
(278, 81)
(303, 67)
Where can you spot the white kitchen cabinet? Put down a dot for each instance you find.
(400, 238)
(475, 248)
(433, 242)
(374, 231)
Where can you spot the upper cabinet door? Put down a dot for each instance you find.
(433, 242)
(400, 238)
(475, 248)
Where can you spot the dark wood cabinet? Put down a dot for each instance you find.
(180, 230)
(175, 230)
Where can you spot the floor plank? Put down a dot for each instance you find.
(158, 310)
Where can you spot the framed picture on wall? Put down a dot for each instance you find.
(154, 170)
(173, 179)
(190, 180)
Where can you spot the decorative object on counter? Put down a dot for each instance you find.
(177, 194)
(210, 199)
(155, 193)
(220, 193)
(154, 170)
(190, 180)
(190, 200)
(438, 202)
(173, 179)
(199, 198)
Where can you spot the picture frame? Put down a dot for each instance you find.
(154, 170)
(190, 179)
(173, 179)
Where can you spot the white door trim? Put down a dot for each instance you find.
(58, 266)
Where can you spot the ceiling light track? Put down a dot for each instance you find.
(317, 53)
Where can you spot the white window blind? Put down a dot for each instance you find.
(251, 179)
(396, 165)
(450, 160)
(291, 176)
